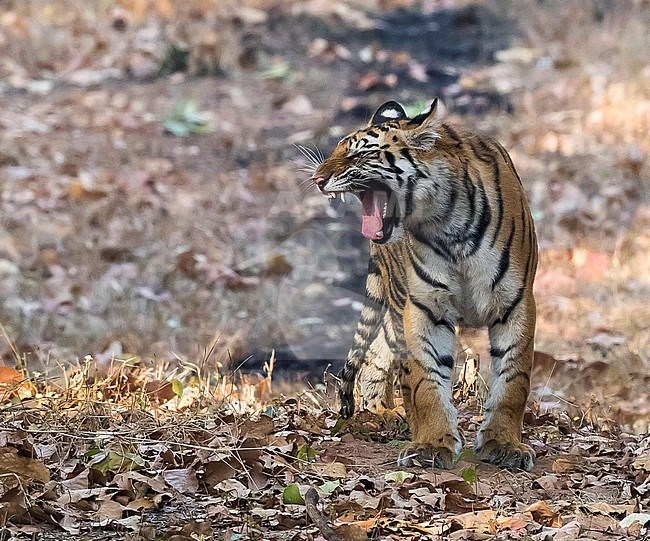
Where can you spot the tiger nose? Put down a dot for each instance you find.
(320, 180)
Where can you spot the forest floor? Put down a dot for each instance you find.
(155, 241)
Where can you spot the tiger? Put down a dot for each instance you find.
(452, 245)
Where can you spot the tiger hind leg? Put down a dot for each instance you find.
(376, 387)
(511, 345)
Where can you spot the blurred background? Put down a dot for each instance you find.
(153, 204)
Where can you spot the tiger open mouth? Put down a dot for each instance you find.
(379, 214)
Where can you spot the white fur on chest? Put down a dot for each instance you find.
(470, 299)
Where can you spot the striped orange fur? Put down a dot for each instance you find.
(452, 244)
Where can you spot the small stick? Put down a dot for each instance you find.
(311, 502)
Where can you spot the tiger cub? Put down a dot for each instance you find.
(452, 244)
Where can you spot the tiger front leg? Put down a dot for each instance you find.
(426, 387)
(511, 345)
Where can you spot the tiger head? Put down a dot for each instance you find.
(382, 164)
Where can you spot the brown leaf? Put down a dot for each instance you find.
(78, 192)
(462, 503)
(563, 465)
(335, 470)
(547, 482)
(220, 470)
(9, 376)
(277, 265)
(108, 511)
(257, 428)
(544, 515)
(357, 531)
(159, 391)
(184, 480)
(24, 467)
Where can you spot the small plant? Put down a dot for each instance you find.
(279, 69)
(186, 119)
(175, 59)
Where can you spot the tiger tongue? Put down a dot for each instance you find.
(373, 204)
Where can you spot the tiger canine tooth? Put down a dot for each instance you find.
(343, 197)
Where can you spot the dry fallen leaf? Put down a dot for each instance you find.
(184, 480)
(544, 515)
(27, 469)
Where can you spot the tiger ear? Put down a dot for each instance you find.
(391, 110)
(435, 112)
(421, 130)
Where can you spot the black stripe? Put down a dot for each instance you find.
(470, 187)
(408, 200)
(497, 184)
(504, 262)
(451, 204)
(432, 318)
(482, 152)
(514, 375)
(407, 154)
(424, 275)
(484, 219)
(518, 374)
(444, 360)
(391, 160)
(504, 319)
(373, 267)
(524, 225)
(396, 288)
(372, 133)
(500, 353)
(439, 250)
(506, 157)
(431, 369)
(451, 133)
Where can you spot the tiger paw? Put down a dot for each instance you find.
(425, 455)
(346, 400)
(513, 456)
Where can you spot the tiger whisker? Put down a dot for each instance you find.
(304, 152)
(319, 153)
(309, 154)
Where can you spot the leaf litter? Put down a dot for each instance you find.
(72, 463)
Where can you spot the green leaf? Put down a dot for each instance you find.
(469, 474)
(397, 443)
(329, 486)
(176, 127)
(291, 495)
(177, 387)
(271, 411)
(340, 423)
(186, 119)
(116, 462)
(279, 70)
(398, 476)
(306, 453)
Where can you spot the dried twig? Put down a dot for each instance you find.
(321, 522)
